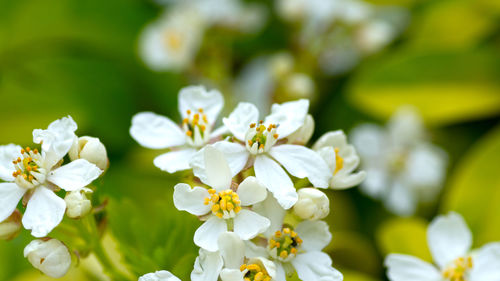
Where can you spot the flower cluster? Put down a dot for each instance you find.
(255, 186)
(39, 178)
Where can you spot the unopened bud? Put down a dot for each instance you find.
(77, 204)
(51, 257)
(312, 204)
(162, 275)
(10, 228)
(304, 133)
(299, 86)
(90, 149)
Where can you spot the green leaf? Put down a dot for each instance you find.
(474, 189)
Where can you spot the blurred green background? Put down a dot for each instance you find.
(79, 58)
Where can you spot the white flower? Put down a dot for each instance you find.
(172, 41)
(37, 174)
(50, 257)
(77, 204)
(221, 204)
(402, 167)
(161, 275)
(342, 159)
(312, 204)
(260, 141)
(298, 248)
(449, 241)
(199, 109)
(230, 263)
(90, 149)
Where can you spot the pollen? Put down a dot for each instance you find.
(284, 244)
(224, 204)
(254, 272)
(25, 166)
(196, 123)
(339, 161)
(458, 270)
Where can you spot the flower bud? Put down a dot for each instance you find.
(77, 204)
(90, 149)
(161, 275)
(299, 86)
(304, 133)
(11, 227)
(312, 204)
(50, 257)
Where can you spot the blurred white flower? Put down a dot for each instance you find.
(161, 275)
(341, 158)
(199, 109)
(298, 248)
(402, 167)
(221, 205)
(77, 204)
(90, 149)
(37, 174)
(449, 241)
(260, 141)
(313, 204)
(50, 257)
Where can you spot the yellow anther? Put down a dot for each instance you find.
(35, 151)
(339, 161)
(237, 209)
(219, 215)
(29, 169)
(212, 191)
(259, 276)
(189, 133)
(30, 178)
(250, 142)
(272, 243)
(276, 136)
(215, 198)
(200, 110)
(253, 125)
(298, 240)
(205, 119)
(293, 234)
(284, 254)
(222, 204)
(207, 201)
(230, 206)
(28, 149)
(18, 159)
(215, 208)
(261, 146)
(188, 111)
(286, 230)
(262, 128)
(196, 116)
(22, 151)
(14, 174)
(278, 244)
(260, 122)
(277, 234)
(185, 120)
(254, 267)
(293, 251)
(243, 267)
(203, 128)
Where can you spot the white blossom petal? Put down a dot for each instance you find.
(195, 97)
(370, 141)
(155, 131)
(74, 175)
(175, 161)
(486, 263)
(271, 209)
(426, 166)
(191, 199)
(161, 275)
(44, 212)
(280, 272)
(240, 119)
(228, 274)
(8, 153)
(248, 224)
(314, 266)
(275, 179)
(10, 194)
(232, 250)
(449, 238)
(331, 139)
(207, 234)
(408, 268)
(254, 251)
(346, 181)
(217, 169)
(251, 191)
(303, 162)
(315, 235)
(401, 199)
(289, 115)
(376, 183)
(304, 133)
(207, 266)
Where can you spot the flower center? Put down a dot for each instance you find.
(457, 271)
(29, 173)
(339, 161)
(196, 128)
(254, 272)
(225, 204)
(172, 40)
(260, 138)
(283, 245)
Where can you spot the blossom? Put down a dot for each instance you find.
(342, 159)
(49, 256)
(221, 205)
(449, 241)
(77, 204)
(36, 174)
(199, 109)
(402, 167)
(90, 149)
(298, 248)
(161, 275)
(261, 142)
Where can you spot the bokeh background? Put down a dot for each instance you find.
(80, 58)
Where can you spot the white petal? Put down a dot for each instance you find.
(280, 272)
(401, 199)
(235, 154)
(328, 155)
(251, 191)
(346, 181)
(486, 263)
(449, 238)
(207, 266)
(254, 251)
(426, 165)
(315, 235)
(303, 162)
(155, 131)
(74, 175)
(376, 183)
(331, 139)
(217, 169)
(174, 161)
(161, 275)
(191, 199)
(10, 194)
(275, 179)
(248, 224)
(231, 275)
(232, 249)
(370, 141)
(408, 268)
(289, 115)
(240, 119)
(314, 266)
(196, 97)
(44, 212)
(8, 153)
(271, 209)
(207, 234)
(304, 133)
